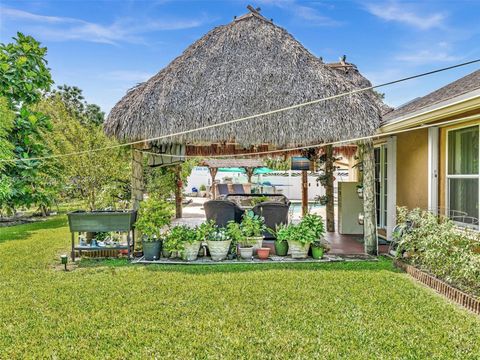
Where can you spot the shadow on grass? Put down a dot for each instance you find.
(24, 231)
(384, 264)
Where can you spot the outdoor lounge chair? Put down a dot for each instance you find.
(238, 189)
(274, 213)
(222, 211)
(222, 190)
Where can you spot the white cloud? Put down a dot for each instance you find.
(123, 30)
(433, 53)
(392, 11)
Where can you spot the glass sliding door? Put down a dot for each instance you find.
(463, 176)
(381, 185)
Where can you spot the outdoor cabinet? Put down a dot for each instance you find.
(350, 205)
(102, 221)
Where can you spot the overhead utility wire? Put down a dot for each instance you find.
(296, 106)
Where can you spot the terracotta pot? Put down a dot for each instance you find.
(263, 253)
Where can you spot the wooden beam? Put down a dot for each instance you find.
(249, 174)
(330, 208)
(370, 221)
(178, 192)
(137, 177)
(304, 192)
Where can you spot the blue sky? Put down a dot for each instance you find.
(106, 47)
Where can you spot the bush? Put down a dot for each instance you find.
(154, 214)
(436, 245)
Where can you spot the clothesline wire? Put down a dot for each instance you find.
(228, 122)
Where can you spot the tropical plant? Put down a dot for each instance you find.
(258, 199)
(436, 245)
(315, 223)
(205, 229)
(237, 235)
(219, 234)
(154, 214)
(252, 225)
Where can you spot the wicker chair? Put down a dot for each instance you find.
(223, 211)
(274, 213)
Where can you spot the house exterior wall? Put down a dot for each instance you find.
(412, 169)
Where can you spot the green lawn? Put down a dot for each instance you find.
(344, 310)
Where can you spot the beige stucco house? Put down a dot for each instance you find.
(429, 156)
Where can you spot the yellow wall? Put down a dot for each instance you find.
(412, 169)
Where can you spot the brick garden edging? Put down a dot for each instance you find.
(461, 298)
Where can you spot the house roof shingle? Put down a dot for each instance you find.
(459, 87)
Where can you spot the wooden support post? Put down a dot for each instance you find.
(213, 173)
(249, 174)
(304, 192)
(330, 208)
(178, 191)
(137, 178)
(370, 221)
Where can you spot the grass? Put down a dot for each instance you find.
(104, 310)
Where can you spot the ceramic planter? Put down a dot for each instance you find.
(317, 252)
(151, 250)
(246, 252)
(218, 249)
(281, 248)
(257, 241)
(298, 250)
(190, 251)
(263, 253)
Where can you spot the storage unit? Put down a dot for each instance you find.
(350, 205)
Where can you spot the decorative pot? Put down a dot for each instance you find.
(218, 249)
(317, 252)
(151, 250)
(246, 252)
(281, 248)
(190, 251)
(258, 240)
(298, 250)
(263, 253)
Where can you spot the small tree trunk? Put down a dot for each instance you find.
(178, 192)
(330, 210)
(304, 192)
(369, 222)
(137, 178)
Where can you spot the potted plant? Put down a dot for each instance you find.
(218, 241)
(154, 215)
(318, 249)
(316, 225)
(253, 227)
(281, 240)
(299, 239)
(245, 244)
(203, 190)
(183, 241)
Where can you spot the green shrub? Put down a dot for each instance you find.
(178, 236)
(437, 246)
(252, 225)
(154, 214)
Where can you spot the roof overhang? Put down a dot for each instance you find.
(451, 107)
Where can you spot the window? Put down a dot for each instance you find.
(463, 176)
(381, 185)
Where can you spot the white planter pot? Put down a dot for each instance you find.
(258, 243)
(190, 251)
(246, 253)
(218, 249)
(298, 250)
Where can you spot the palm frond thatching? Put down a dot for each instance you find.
(246, 67)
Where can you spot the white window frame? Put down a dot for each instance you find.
(383, 221)
(463, 176)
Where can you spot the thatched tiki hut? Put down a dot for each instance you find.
(246, 67)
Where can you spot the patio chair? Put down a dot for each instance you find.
(274, 213)
(222, 211)
(222, 190)
(238, 189)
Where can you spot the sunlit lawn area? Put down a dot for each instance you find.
(349, 310)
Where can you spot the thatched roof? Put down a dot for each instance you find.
(246, 67)
(233, 163)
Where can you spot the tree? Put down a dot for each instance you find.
(73, 99)
(24, 78)
(99, 177)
